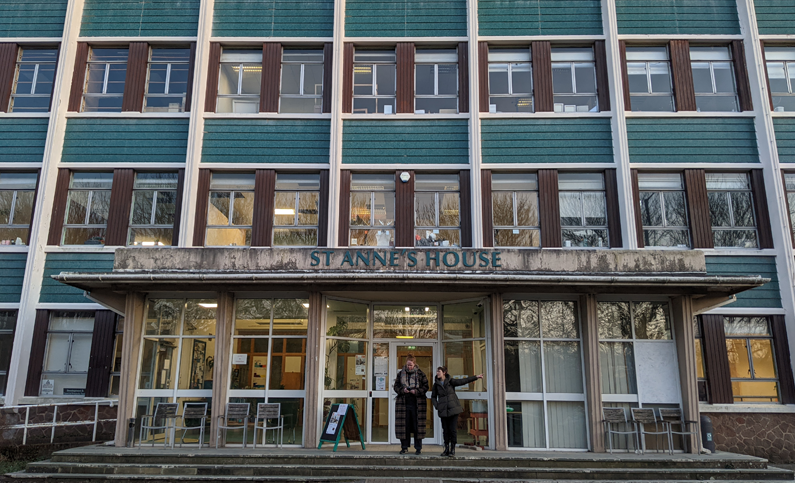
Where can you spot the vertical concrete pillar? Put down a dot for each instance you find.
(314, 357)
(131, 347)
(223, 345)
(589, 318)
(500, 429)
(682, 310)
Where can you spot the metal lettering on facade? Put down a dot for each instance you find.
(413, 258)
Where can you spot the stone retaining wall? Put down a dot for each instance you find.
(766, 435)
(63, 434)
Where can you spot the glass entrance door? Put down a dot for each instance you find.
(425, 354)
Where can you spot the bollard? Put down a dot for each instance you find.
(131, 433)
(706, 433)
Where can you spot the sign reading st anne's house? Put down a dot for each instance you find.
(427, 259)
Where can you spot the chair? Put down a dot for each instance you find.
(266, 411)
(233, 412)
(674, 416)
(192, 411)
(612, 416)
(643, 417)
(160, 420)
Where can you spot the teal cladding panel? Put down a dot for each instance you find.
(266, 141)
(126, 140)
(775, 17)
(443, 141)
(12, 271)
(273, 18)
(539, 17)
(405, 18)
(53, 291)
(546, 141)
(785, 139)
(32, 18)
(712, 17)
(140, 18)
(692, 140)
(22, 139)
(767, 295)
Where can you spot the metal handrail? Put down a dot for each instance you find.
(54, 424)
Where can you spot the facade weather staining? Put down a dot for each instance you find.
(549, 193)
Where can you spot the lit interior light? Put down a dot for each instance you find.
(209, 306)
(285, 211)
(306, 306)
(427, 309)
(405, 337)
(407, 309)
(148, 244)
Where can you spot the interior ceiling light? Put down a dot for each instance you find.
(306, 306)
(405, 337)
(209, 306)
(284, 211)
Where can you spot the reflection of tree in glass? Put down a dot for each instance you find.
(502, 208)
(651, 320)
(520, 318)
(614, 320)
(558, 320)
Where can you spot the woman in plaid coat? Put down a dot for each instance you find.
(411, 405)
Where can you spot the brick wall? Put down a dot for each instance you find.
(766, 435)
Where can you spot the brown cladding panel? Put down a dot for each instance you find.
(59, 206)
(636, 209)
(120, 203)
(716, 359)
(783, 359)
(404, 210)
(202, 200)
(483, 76)
(322, 219)
(465, 212)
(698, 208)
(345, 208)
(405, 77)
(135, 80)
(741, 73)
(622, 50)
(486, 212)
(549, 208)
(328, 63)
(542, 76)
(602, 80)
(178, 208)
(347, 78)
(78, 77)
(264, 186)
(767, 74)
(463, 77)
(101, 357)
(682, 73)
(760, 206)
(191, 71)
(271, 71)
(37, 347)
(613, 209)
(8, 67)
(213, 71)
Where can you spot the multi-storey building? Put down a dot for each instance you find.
(618, 170)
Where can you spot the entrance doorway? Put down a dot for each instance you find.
(425, 354)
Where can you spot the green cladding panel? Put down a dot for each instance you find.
(775, 17)
(12, 271)
(140, 18)
(273, 18)
(785, 139)
(22, 139)
(443, 141)
(126, 140)
(406, 18)
(692, 140)
(266, 141)
(539, 17)
(711, 17)
(546, 141)
(767, 295)
(32, 18)
(53, 291)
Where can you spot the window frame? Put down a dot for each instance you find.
(511, 94)
(301, 94)
(715, 93)
(118, 339)
(389, 228)
(165, 94)
(297, 199)
(14, 197)
(788, 66)
(237, 95)
(67, 362)
(89, 203)
(584, 226)
(732, 221)
(435, 94)
(649, 89)
(31, 95)
(231, 211)
(437, 209)
(665, 226)
(374, 90)
(573, 69)
(131, 226)
(103, 95)
(515, 226)
(748, 338)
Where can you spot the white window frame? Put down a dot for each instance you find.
(104, 93)
(167, 92)
(89, 202)
(752, 377)
(649, 59)
(246, 98)
(372, 226)
(665, 226)
(68, 361)
(295, 225)
(301, 94)
(14, 197)
(15, 94)
(573, 68)
(437, 208)
(704, 59)
(152, 216)
(515, 225)
(435, 64)
(510, 59)
(583, 224)
(374, 86)
(231, 212)
(732, 221)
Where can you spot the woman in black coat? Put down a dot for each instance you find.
(448, 406)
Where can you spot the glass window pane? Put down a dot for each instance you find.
(777, 76)
(313, 79)
(561, 79)
(724, 77)
(526, 424)
(522, 79)
(425, 79)
(25, 74)
(346, 319)
(340, 365)
(463, 321)
(116, 76)
(570, 209)
(746, 326)
(617, 361)
(523, 366)
(95, 79)
(308, 208)
(447, 79)
(449, 209)
(284, 209)
(702, 79)
(567, 425)
(651, 320)
(293, 237)
(563, 367)
(755, 391)
(464, 359)
(675, 208)
(166, 207)
(243, 209)
(57, 355)
(151, 236)
(81, 351)
(527, 208)
(502, 208)
(660, 78)
(291, 79)
(743, 209)
(425, 209)
(517, 238)
(251, 79)
(666, 238)
(363, 80)
(200, 317)
(595, 208)
(232, 181)
(252, 316)
(194, 372)
(100, 208)
(163, 316)
(498, 79)
(762, 355)
(558, 320)
(385, 80)
(585, 76)
(638, 82)
(76, 207)
(614, 320)
(218, 213)
(142, 204)
(23, 209)
(158, 364)
(415, 322)
(229, 78)
(520, 318)
(650, 209)
(253, 373)
(360, 209)
(739, 365)
(719, 209)
(290, 316)
(157, 79)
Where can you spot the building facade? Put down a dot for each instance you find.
(617, 173)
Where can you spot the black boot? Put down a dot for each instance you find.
(446, 450)
(452, 450)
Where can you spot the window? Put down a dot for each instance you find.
(544, 378)
(514, 201)
(437, 220)
(713, 79)
(33, 80)
(574, 80)
(436, 82)
(240, 81)
(374, 82)
(510, 80)
(67, 353)
(663, 210)
(780, 71)
(731, 210)
(107, 69)
(583, 209)
(87, 208)
(8, 322)
(153, 209)
(115, 368)
(701, 367)
(296, 210)
(302, 81)
(231, 210)
(17, 192)
(168, 80)
(372, 210)
(649, 79)
(752, 365)
(789, 186)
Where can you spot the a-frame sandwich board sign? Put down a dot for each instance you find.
(341, 420)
